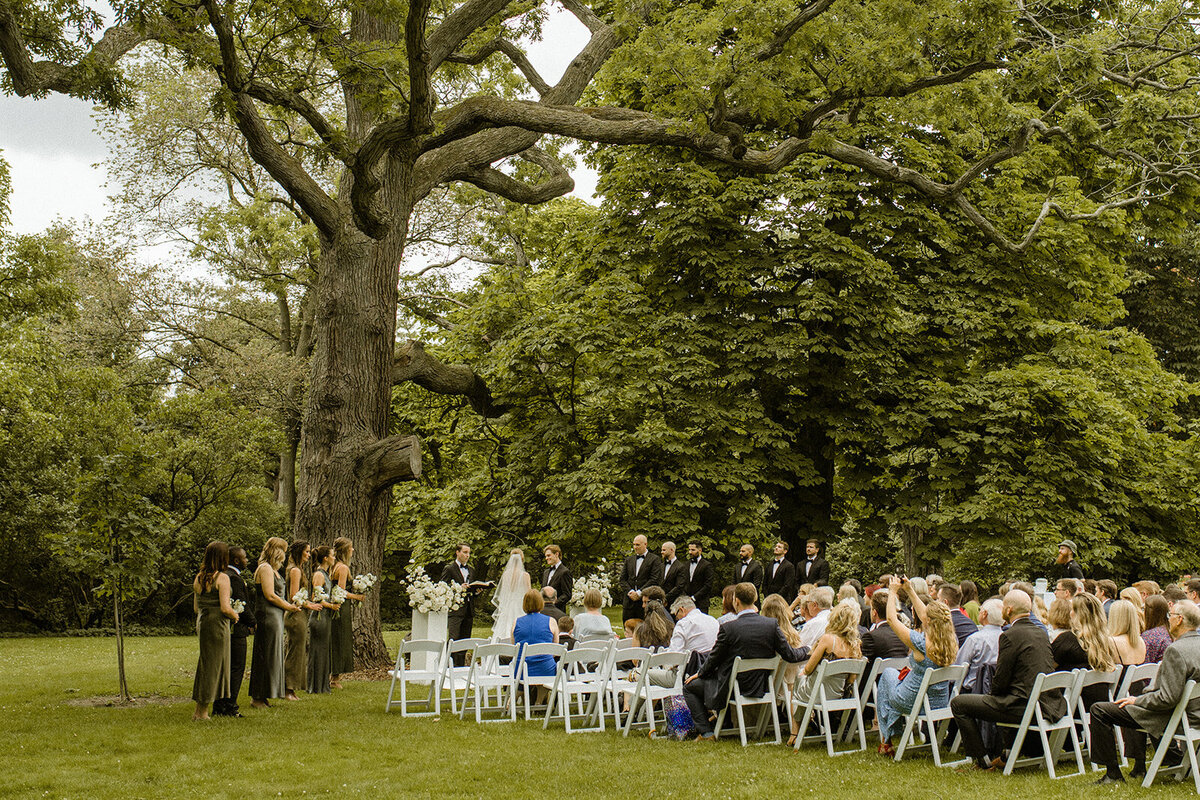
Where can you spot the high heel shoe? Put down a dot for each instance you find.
(791, 742)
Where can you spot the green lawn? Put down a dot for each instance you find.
(345, 745)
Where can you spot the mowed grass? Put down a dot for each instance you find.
(345, 745)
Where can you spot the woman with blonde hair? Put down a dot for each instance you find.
(266, 663)
(1135, 599)
(341, 643)
(935, 645)
(1058, 618)
(840, 640)
(776, 607)
(1086, 645)
(1125, 628)
(591, 625)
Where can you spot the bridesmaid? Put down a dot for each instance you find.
(266, 664)
(295, 655)
(210, 599)
(320, 625)
(343, 625)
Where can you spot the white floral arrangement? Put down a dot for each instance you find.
(362, 583)
(319, 595)
(339, 595)
(426, 596)
(300, 598)
(238, 606)
(594, 581)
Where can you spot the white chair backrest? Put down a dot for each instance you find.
(409, 646)
(1141, 672)
(463, 645)
(744, 665)
(844, 666)
(624, 643)
(667, 659)
(494, 650)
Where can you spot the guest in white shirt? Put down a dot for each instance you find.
(694, 631)
(816, 608)
(983, 647)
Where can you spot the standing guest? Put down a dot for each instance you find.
(970, 600)
(320, 625)
(781, 575)
(211, 602)
(549, 607)
(557, 576)
(1065, 565)
(700, 577)
(1148, 713)
(748, 569)
(342, 632)
(950, 595)
(675, 574)
(813, 570)
(590, 624)
(728, 611)
(458, 622)
(536, 628)
(295, 654)
(1106, 593)
(1086, 645)
(1024, 654)
(982, 648)
(840, 640)
(227, 706)
(816, 609)
(1058, 617)
(266, 664)
(1125, 627)
(641, 569)
(749, 635)
(1157, 635)
(935, 645)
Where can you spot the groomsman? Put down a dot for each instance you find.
(781, 575)
(458, 572)
(557, 576)
(748, 570)
(227, 706)
(642, 568)
(700, 576)
(675, 574)
(813, 569)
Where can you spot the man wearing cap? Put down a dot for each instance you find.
(1066, 562)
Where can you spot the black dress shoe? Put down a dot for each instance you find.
(1107, 779)
(1138, 772)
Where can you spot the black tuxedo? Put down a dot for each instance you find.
(1024, 654)
(753, 573)
(675, 580)
(237, 644)
(459, 620)
(963, 627)
(783, 582)
(750, 635)
(817, 574)
(880, 643)
(700, 583)
(650, 574)
(562, 583)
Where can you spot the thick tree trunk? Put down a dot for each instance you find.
(348, 461)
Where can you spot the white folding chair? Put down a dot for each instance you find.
(525, 679)
(576, 680)
(486, 675)
(432, 675)
(1135, 674)
(644, 694)
(937, 720)
(1092, 677)
(618, 682)
(455, 678)
(773, 667)
(1179, 729)
(819, 702)
(868, 697)
(1053, 732)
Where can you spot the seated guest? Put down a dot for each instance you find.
(1034, 600)
(536, 628)
(728, 611)
(1157, 635)
(591, 625)
(1135, 598)
(935, 645)
(880, 641)
(566, 631)
(695, 631)
(656, 594)
(1058, 617)
(656, 629)
(549, 596)
(1086, 645)
(631, 626)
(1125, 627)
(1192, 587)
(1146, 588)
(816, 609)
(1089, 586)
(1065, 589)
(1172, 593)
(1106, 593)
(840, 640)
(1149, 713)
(775, 607)
(970, 600)
(949, 594)
(982, 647)
(749, 635)
(1024, 653)
(801, 595)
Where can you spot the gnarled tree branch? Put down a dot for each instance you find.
(413, 364)
(389, 461)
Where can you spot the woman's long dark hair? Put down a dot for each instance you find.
(1156, 611)
(295, 554)
(216, 560)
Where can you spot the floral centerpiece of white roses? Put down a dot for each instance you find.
(426, 596)
(594, 581)
(362, 583)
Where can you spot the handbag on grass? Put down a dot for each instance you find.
(679, 718)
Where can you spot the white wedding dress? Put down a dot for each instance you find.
(510, 596)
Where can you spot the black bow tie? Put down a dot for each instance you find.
(779, 561)
(746, 562)
(642, 556)
(696, 560)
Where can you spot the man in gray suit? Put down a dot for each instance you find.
(1149, 713)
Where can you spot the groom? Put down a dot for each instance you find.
(458, 573)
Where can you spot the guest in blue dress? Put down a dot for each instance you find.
(536, 628)
(935, 645)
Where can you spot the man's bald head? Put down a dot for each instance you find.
(1016, 603)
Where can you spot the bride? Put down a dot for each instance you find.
(510, 595)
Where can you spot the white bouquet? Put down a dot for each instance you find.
(300, 598)
(594, 581)
(238, 606)
(319, 595)
(339, 595)
(426, 596)
(362, 583)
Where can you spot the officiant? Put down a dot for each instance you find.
(459, 573)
